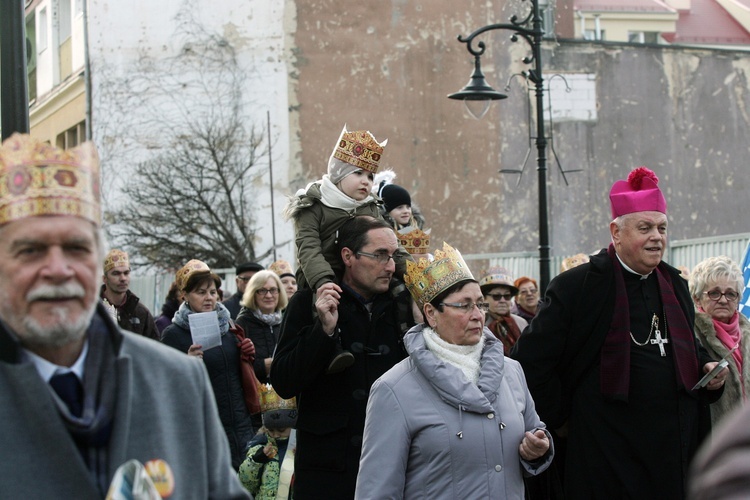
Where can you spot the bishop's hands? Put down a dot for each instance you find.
(534, 445)
(327, 306)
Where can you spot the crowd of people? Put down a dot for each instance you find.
(377, 369)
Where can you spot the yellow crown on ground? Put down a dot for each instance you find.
(414, 240)
(270, 401)
(359, 148)
(39, 179)
(427, 279)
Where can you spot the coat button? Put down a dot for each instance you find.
(499, 468)
(490, 416)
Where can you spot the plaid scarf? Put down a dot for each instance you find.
(615, 353)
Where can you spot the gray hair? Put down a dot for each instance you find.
(712, 269)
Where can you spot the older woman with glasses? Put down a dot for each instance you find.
(498, 289)
(199, 287)
(527, 298)
(260, 317)
(455, 419)
(716, 285)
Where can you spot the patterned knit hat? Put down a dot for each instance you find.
(497, 276)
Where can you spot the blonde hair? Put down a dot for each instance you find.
(256, 283)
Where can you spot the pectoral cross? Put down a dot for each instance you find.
(660, 341)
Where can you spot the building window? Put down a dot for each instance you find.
(42, 31)
(72, 137)
(643, 36)
(592, 35)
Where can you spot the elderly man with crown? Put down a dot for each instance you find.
(125, 306)
(455, 419)
(78, 396)
(611, 359)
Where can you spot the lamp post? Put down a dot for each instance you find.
(530, 29)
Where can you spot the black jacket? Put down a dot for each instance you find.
(223, 366)
(332, 407)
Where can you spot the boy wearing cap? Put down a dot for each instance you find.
(261, 472)
(611, 357)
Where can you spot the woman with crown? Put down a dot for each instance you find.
(455, 419)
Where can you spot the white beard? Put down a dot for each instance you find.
(63, 330)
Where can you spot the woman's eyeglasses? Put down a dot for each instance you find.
(466, 307)
(265, 291)
(716, 295)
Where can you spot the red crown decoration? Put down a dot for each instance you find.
(414, 240)
(359, 148)
(39, 179)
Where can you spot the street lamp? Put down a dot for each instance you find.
(478, 91)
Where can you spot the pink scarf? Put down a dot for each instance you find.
(730, 335)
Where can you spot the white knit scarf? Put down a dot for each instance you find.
(464, 357)
(332, 196)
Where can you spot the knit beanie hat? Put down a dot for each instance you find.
(338, 169)
(394, 196)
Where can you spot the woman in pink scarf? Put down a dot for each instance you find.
(716, 285)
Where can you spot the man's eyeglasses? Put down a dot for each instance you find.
(467, 306)
(533, 291)
(381, 257)
(716, 295)
(265, 291)
(498, 296)
(244, 278)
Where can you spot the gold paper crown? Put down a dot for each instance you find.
(270, 401)
(414, 240)
(426, 280)
(281, 268)
(39, 179)
(182, 276)
(116, 258)
(359, 148)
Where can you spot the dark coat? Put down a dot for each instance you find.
(223, 365)
(264, 336)
(168, 309)
(233, 304)
(560, 355)
(331, 417)
(135, 317)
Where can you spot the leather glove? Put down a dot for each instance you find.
(248, 350)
